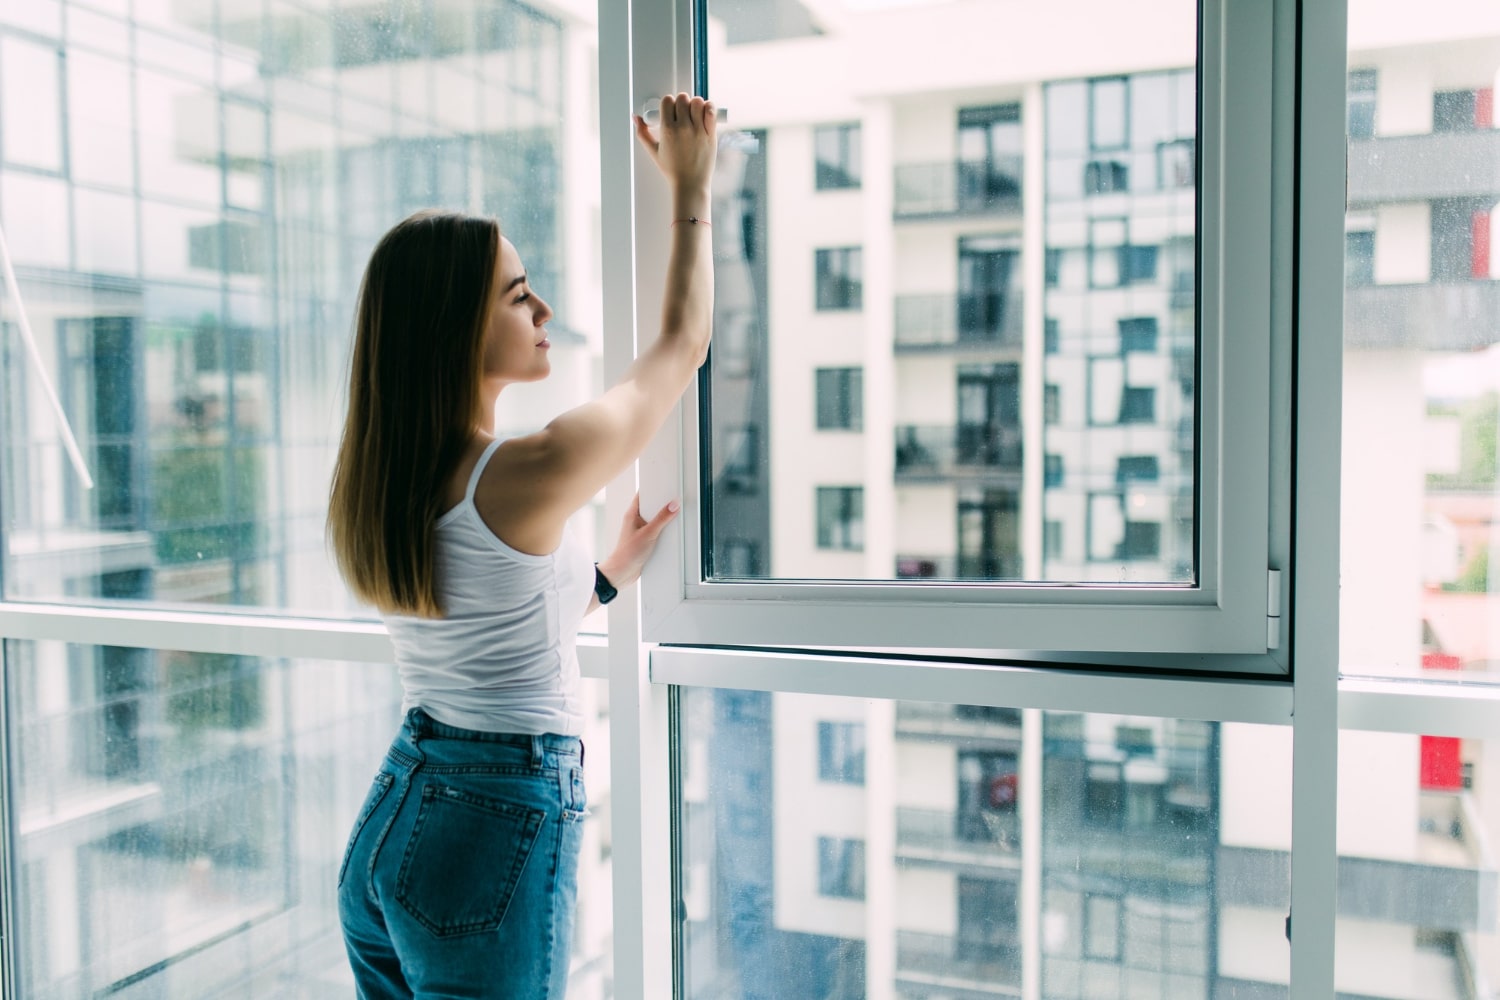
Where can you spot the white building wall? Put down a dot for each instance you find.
(1403, 243)
(839, 812)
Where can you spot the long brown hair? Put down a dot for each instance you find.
(414, 400)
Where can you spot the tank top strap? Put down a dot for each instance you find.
(484, 459)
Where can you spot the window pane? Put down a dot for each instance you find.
(1163, 856)
(926, 292)
(197, 256)
(1421, 386)
(1417, 877)
(31, 110)
(181, 820)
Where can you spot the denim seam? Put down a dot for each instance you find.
(385, 832)
(384, 781)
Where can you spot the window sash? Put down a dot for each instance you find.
(1225, 613)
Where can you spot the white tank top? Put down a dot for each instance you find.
(504, 659)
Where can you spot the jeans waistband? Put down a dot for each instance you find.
(421, 726)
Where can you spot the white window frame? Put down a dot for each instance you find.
(1316, 703)
(1245, 310)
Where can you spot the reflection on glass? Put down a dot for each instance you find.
(1421, 366)
(1163, 858)
(1417, 886)
(189, 216)
(931, 285)
(181, 817)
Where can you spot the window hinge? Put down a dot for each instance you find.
(1273, 609)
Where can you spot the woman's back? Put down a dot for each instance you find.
(503, 657)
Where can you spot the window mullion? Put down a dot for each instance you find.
(1320, 143)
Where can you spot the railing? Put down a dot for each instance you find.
(966, 721)
(945, 451)
(958, 187)
(1459, 316)
(984, 838)
(974, 967)
(964, 321)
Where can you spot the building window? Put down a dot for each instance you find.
(738, 558)
(837, 156)
(1359, 258)
(1109, 117)
(1052, 539)
(988, 928)
(1142, 540)
(839, 281)
(1137, 264)
(1138, 333)
(1101, 927)
(740, 473)
(1136, 469)
(841, 868)
(841, 517)
(1362, 104)
(1051, 404)
(1051, 336)
(1053, 265)
(1052, 471)
(1463, 110)
(841, 752)
(1137, 405)
(1106, 177)
(1177, 164)
(988, 786)
(840, 399)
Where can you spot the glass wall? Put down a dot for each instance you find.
(843, 848)
(190, 192)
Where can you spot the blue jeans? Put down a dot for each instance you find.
(461, 875)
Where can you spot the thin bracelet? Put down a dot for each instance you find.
(695, 221)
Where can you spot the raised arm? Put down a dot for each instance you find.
(535, 483)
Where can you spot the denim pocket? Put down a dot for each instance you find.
(464, 860)
(378, 788)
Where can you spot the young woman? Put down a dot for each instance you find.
(460, 875)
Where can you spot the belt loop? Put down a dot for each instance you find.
(537, 751)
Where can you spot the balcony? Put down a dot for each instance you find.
(983, 841)
(970, 322)
(1424, 167)
(963, 452)
(969, 723)
(1462, 316)
(956, 188)
(1449, 883)
(959, 969)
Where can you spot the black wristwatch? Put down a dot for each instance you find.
(603, 589)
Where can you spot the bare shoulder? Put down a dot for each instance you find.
(513, 499)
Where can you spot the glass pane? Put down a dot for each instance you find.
(1162, 861)
(181, 820)
(1417, 875)
(1421, 390)
(191, 214)
(932, 283)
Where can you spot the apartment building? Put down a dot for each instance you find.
(981, 354)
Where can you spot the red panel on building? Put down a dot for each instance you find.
(1442, 765)
(1440, 661)
(1484, 108)
(1481, 255)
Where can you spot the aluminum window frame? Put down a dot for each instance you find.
(1243, 506)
